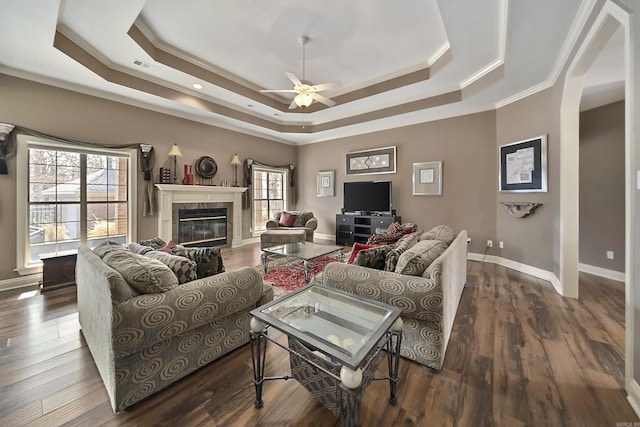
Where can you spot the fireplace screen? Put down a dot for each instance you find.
(202, 227)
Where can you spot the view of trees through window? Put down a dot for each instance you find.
(268, 196)
(75, 198)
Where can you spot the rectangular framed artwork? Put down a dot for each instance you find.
(427, 179)
(376, 161)
(325, 185)
(523, 166)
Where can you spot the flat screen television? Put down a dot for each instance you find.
(367, 197)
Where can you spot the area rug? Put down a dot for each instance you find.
(286, 279)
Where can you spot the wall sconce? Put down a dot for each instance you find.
(175, 152)
(235, 161)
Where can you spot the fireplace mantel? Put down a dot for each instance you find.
(168, 194)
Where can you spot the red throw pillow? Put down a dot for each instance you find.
(287, 219)
(357, 248)
(168, 248)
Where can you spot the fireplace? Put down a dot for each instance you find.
(172, 198)
(202, 227)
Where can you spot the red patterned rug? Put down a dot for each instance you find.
(291, 278)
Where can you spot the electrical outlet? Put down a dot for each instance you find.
(489, 243)
(609, 254)
(501, 244)
(468, 240)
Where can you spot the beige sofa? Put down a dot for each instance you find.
(304, 221)
(143, 342)
(429, 302)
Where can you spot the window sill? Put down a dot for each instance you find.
(31, 269)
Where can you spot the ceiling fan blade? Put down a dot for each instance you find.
(278, 90)
(325, 86)
(295, 80)
(326, 101)
(293, 105)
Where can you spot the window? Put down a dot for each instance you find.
(269, 195)
(71, 197)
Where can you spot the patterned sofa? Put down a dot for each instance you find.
(304, 220)
(148, 326)
(429, 301)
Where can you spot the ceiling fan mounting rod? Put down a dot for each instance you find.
(303, 41)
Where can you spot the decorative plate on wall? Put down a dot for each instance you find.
(206, 167)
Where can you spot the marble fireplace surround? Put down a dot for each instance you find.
(204, 196)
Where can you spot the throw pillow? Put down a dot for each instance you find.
(144, 274)
(183, 268)
(440, 232)
(169, 248)
(208, 260)
(156, 243)
(137, 248)
(302, 218)
(415, 260)
(404, 243)
(394, 232)
(287, 219)
(373, 258)
(357, 248)
(105, 247)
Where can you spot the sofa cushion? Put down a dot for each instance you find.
(373, 258)
(404, 243)
(287, 219)
(208, 260)
(183, 268)
(301, 218)
(146, 275)
(440, 232)
(415, 260)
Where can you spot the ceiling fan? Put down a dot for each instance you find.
(306, 92)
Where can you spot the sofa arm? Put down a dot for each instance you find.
(417, 297)
(272, 223)
(312, 223)
(147, 319)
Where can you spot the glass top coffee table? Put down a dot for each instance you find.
(303, 253)
(337, 333)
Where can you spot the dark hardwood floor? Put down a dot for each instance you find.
(519, 355)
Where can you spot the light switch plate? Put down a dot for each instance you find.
(609, 254)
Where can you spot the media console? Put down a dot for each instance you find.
(352, 229)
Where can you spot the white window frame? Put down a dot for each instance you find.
(24, 265)
(285, 194)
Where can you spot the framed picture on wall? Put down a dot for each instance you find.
(523, 166)
(427, 179)
(325, 184)
(379, 160)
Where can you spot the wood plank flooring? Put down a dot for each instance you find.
(519, 355)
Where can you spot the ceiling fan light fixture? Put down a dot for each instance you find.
(303, 99)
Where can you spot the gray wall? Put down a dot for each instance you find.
(602, 198)
(72, 115)
(466, 147)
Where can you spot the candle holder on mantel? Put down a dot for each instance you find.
(520, 209)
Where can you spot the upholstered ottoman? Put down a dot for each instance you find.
(280, 237)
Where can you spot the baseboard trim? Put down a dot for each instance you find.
(250, 241)
(324, 236)
(523, 268)
(602, 272)
(20, 282)
(633, 396)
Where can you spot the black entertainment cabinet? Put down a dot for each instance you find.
(352, 229)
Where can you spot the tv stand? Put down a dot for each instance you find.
(354, 228)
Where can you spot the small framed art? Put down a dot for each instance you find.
(427, 179)
(325, 185)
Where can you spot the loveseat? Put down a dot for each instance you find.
(295, 220)
(428, 299)
(147, 326)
